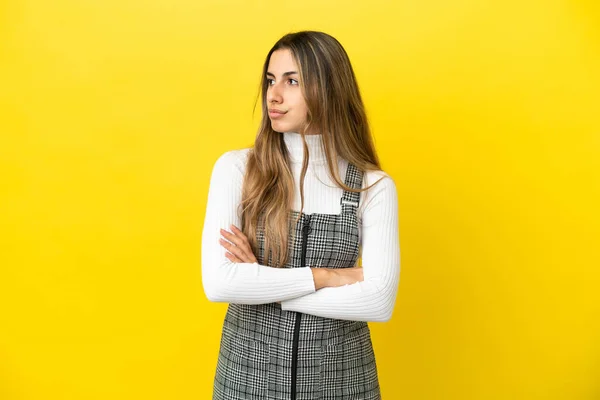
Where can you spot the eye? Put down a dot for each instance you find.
(293, 81)
(270, 82)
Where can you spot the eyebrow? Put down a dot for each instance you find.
(284, 74)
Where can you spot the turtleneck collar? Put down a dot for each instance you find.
(293, 142)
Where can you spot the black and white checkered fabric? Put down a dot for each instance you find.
(335, 358)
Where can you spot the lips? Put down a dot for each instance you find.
(274, 113)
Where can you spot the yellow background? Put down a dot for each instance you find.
(112, 113)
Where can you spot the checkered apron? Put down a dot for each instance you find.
(268, 353)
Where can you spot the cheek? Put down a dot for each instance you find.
(301, 106)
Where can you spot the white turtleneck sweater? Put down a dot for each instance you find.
(370, 300)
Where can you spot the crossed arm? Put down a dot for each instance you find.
(231, 274)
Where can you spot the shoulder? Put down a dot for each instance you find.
(232, 162)
(380, 179)
(381, 194)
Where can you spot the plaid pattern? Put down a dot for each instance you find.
(335, 358)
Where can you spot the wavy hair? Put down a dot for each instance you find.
(335, 110)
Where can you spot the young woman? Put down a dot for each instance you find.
(285, 224)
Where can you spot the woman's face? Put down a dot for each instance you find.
(286, 104)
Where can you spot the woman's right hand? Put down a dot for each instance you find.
(335, 277)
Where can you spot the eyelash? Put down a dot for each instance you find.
(271, 80)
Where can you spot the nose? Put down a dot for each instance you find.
(274, 94)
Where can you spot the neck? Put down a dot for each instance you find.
(293, 142)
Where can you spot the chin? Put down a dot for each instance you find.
(278, 127)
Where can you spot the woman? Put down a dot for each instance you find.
(286, 222)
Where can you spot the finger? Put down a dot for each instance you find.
(232, 258)
(240, 236)
(239, 233)
(241, 244)
(233, 249)
(238, 241)
(247, 247)
(237, 249)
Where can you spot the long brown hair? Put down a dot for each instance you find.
(335, 110)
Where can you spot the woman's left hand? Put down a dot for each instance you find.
(237, 246)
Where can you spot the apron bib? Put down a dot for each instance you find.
(270, 354)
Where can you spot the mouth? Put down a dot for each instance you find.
(274, 114)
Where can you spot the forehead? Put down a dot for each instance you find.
(281, 61)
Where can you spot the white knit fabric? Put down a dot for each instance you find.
(370, 300)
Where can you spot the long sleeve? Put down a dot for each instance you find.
(243, 283)
(374, 298)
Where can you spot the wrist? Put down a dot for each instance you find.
(321, 277)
